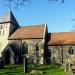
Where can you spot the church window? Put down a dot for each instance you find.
(1, 26)
(71, 51)
(37, 50)
(3, 32)
(25, 48)
(6, 26)
(0, 33)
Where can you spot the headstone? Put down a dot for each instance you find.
(25, 62)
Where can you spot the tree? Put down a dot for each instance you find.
(62, 1)
(18, 3)
(14, 3)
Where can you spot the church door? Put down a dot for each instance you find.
(7, 57)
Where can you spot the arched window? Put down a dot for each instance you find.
(37, 50)
(1, 26)
(71, 51)
(0, 33)
(25, 48)
(3, 32)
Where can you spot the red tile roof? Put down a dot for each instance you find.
(28, 32)
(61, 38)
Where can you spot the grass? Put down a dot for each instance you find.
(45, 69)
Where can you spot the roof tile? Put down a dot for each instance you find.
(28, 32)
(61, 38)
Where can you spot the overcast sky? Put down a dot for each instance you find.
(56, 16)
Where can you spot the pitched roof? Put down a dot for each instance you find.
(61, 38)
(8, 17)
(28, 32)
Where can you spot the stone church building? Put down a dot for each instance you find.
(34, 41)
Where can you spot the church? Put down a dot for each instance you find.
(34, 41)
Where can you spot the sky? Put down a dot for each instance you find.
(58, 17)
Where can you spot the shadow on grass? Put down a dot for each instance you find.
(12, 70)
(13, 67)
(46, 67)
(18, 69)
(11, 73)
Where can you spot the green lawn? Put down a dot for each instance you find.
(44, 69)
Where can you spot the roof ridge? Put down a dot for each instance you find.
(34, 25)
(60, 32)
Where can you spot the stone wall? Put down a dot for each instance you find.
(59, 53)
(33, 47)
(4, 33)
(5, 30)
(35, 50)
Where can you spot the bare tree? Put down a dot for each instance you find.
(61, 1)
(14, 3)
(18, 3)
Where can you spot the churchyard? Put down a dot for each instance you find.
(34, 70)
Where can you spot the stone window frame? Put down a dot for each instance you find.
(3, 32)
(70, 51)
(0, 33)
(1, 26)
(25, 44)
